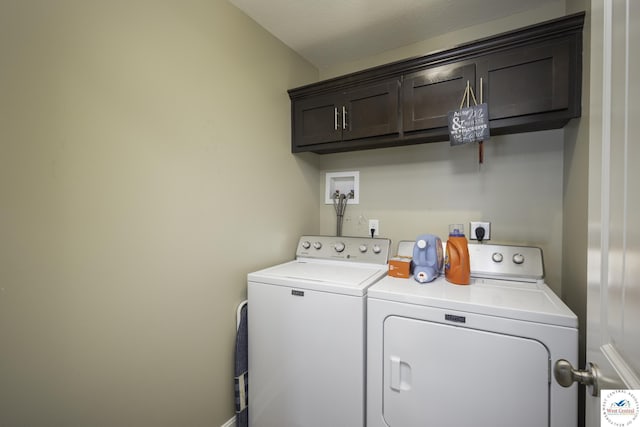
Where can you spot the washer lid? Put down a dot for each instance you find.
(534, 302)
(320, 275)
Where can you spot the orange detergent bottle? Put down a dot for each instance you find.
(456, 261)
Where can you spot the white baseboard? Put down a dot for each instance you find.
(230, 423)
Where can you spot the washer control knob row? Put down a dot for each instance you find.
(340, 246)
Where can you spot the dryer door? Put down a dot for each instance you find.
(441, 375)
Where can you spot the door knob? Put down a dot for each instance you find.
(565, 375)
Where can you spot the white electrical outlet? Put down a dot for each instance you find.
(474, 225)
(375, 226)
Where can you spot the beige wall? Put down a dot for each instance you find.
(422, 189)
(576, 199)
(145, 169)
(446, 41)
(575, 204)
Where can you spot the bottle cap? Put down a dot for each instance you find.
(456, 230)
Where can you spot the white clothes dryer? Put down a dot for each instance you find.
(478, 355)
(306, 333)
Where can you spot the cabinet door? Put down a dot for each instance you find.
(317, 120)
(371, 111)
(528, 80)
(429, 95)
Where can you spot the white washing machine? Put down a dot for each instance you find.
(306, 323)
(471, 356)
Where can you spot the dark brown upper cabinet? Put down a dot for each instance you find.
(530, 78)
(361, 112)
(532, 88)
(428, 95)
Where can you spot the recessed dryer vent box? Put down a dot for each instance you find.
(343, 182)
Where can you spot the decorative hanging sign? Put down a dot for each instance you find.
(470, 124)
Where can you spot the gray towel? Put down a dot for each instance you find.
(241, 371)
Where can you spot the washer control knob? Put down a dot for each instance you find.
(306, 244)
(497, 257)
(518, 258)
(317, 245)
(339, 247)
(377, 249)
(363, 248)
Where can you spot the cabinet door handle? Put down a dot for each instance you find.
(344, 117)
(335, 118)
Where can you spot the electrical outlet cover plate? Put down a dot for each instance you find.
(477, 224)
(374, 224)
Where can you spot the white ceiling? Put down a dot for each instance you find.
(329, 32)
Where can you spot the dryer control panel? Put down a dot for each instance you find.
(515, 263)
(348, 249)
